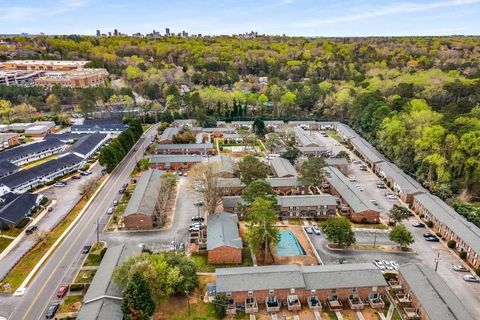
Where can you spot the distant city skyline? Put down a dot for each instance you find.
(273, 17)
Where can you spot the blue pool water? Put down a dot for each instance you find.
(289, 245)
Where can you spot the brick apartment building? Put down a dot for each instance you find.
(224, 245)
(174, 162)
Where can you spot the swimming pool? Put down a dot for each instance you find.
(289, 245)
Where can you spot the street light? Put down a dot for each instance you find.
(436, 261)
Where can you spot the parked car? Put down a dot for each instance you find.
(85, 173)
(374, 202)
(363, 167)
(317, 230)
(428, 235)
(380, 185)
(76, 177)
(418, 225)
(198, 219)
(62, 291)
(356, 162)
(351, 178)
(185, 174)
(110, 210)
(86, 249)
(31, 229)
(194, 228)
(198, 203)
(309, 230)
(52, 310)
(432, 239)
(379, 264)
(459, 268)
(391, 197)
(360, 188)
(60, 184)
(470, 278)
(388, 265)
(115, 203)
(394, 265)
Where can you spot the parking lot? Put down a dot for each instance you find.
(424, 252)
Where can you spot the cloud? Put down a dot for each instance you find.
(395, 8)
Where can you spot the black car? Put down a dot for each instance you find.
(52, 310)
(86, 249)
(31, 229)
(198, 219)
(428, 235)
(432, 239)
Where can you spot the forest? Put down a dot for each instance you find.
(417, 99)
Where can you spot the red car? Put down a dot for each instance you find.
(62, 291)
(76, 177)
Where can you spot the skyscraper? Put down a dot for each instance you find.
(115, 32)
(98, 33)
(167, 32)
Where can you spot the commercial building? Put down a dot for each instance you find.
(451, 225)
(332, 286)
(282, 168)
(24, 180)
(141, 211)
(81, 78)
(354, 203)
(103, 300)
(14, 77)
(426, 296)
(8, 140)
(107, 126)
(87, 145)
(31, 152)
(15, 208)
(188, 148)
(42, 65)
(174, 162)
(224, 245)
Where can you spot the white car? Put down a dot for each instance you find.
(356, 162)
(379, 264)
(360, 188)
(308, 230)
(317, 230)
(110, 210)
(59, 184)
(470, 278)
(394, 265)
(388, 265)
(351, 178)
(459, 268)
(391, 197)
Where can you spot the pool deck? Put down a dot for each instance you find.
(307, 259)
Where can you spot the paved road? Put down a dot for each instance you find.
(34, 303)
(425, 252)
(65, 198)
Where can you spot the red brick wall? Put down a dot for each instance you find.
(138, 221)
(174, 166)
(225, 255)
(370, 215)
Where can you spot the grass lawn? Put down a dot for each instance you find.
(198, 311)
(39, 162)
(71, 304)
(4, 242)
(94, 258)
(334, 135)
(13, 232)
(16, 276)
(85, 276)
(295, 222)
(204, 266)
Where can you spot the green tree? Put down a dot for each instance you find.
(220, 305)
(5, 109)
(291, 154)
(259, 189)
(312, 172)
(339, 231)
(53, 103)
(261, 230)
(259, 127)
(401, 235)
(137, 303)
(397, 214)
(252, 169)
(272, 141)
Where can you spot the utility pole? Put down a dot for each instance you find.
(98, 235)
(374, 238)
(436, 261)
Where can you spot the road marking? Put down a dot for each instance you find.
(78, 236)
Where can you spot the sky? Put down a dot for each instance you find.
(274, 17)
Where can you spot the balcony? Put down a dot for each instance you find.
(251, 305)
(334, 304)
(293, 304)
(411, 313)
(375, 300)
(403, 299)
(355, 302)
(314, 303)
(272, 304)
(395, 285)
(231, 307)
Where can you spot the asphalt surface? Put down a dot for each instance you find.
(424, 252)
(34, 303)
(65, 198)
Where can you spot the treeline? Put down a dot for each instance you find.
(113, 153)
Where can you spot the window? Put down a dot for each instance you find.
(271, 292)
(374, 289)
(313, 291)
(333, 291)
(354, 290)
(228, 294)
(292, 291)
(250, 293)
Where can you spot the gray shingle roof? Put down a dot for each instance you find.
(87, 144)
(307, 200)
(232, 201)
(406, 183)
(169, 158)
(293, 276)
(146, 193)
(367, 150)
(222, 231)
(284, 182)
(345, 131)
(305, 139)
(467, 231)
(283, 167)
(168, 133)
(336, 161)
(100, 300)
(225, 164)
(230, 183)
(29, 149)
(436, 298)
(184, 146)
(7, 168)
(355, 199)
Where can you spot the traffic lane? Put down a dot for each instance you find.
(184, 210)
(44, 285)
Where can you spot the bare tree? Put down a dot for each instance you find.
(204, 176)
(167, 182)
(39, 235)
(89, 186)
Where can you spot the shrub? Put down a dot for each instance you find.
(389, 275)
(438, 234)
(364, 221)
(451, 244)
(429, 223)
(462, 255)
(477, 271)
(102, 252)
(77, 287)
(23, 223)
